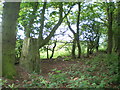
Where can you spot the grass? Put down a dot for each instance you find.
(65, 52)
(61, 52)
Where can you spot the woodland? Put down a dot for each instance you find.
(60, 45)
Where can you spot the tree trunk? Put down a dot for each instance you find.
(77, 35)
(88, 49)
(110, 32)
(53, 49)
(73, 48)
(47, 52)
(30, 52)
(28, 29)
(30, 56)
(97, 43)
(115, 41)
(10, 15)
(79, 47)
(0, 51)
(118, 27)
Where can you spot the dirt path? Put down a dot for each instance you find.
(48, 65)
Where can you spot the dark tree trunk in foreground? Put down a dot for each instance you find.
(10, 15)
(118, 27)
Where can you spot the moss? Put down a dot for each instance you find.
(9, 70)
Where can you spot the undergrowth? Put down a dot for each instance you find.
(98, 72)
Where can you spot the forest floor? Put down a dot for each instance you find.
(61, 65)
(47, 65)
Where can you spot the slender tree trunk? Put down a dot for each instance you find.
(42, 41)
(47, 52)
(73, 48)
(91, 47)
(88, 49)
(10, 15)
(97, 39)
(53, 49)
(97, 43)
(77, 37)
(28, 29)
(115, 41)
(79, 47)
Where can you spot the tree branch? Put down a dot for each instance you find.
(42, 22)
(70, 26)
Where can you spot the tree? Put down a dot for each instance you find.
(76, 34)
(30, 52)
(42, 41)
(118, 28)
(10, 15)
(118, 36)
(91, 26)
(55, 42)
(0, 42)
(50, 47)
(110, 9)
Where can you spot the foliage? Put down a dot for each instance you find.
(18, 48)
(36, 81)
(98, 72)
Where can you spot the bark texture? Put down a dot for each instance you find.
(118, 22)
(30, 52)
(78, 34)
(30, 56)
(10, 15)
(0, 50)
(110, 22)
(73, 49)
